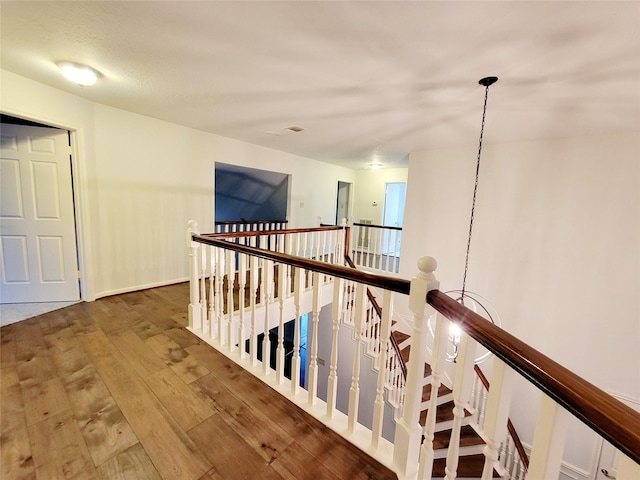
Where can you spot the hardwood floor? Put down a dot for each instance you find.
(117, 389)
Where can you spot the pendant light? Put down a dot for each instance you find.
(469, 299)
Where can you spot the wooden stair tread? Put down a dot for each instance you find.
(399, 337)
(468, 438)
(442, 391)
(469, 466)
(444, 413)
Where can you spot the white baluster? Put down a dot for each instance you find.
(282, 281)
(408, 434)
(496, 414)
(461, 391)
(298, 290)
(203, 286)
(210, 324)
(511, 458)
(231, 282)
(437, 366)
(219, 297)
(253, 288)
(195, 312)
(336, 314)
(312, 381)
(354, 391)
(267, 283)
(483, 406)
(242, 277)
(502, 455)
(382, 339)
(548, 440)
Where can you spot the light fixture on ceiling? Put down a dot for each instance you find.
(375, 166)
(464, 297)
(77, 73)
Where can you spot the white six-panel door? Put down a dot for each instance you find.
(37, 228)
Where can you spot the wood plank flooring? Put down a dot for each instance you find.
(118, 389)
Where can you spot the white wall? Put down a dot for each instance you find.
(140, 180)
(369, 188)
(556, 249)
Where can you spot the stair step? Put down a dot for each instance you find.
(442, 391)
(469, 466)
(400, 337)
(444, 413)
(468, 438)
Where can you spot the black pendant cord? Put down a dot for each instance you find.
(486, 82)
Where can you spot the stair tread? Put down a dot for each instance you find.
(468, 438)
(442, 391)
(469, 466)
(399, 337)
(444, 413)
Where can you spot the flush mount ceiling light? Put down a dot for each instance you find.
(80, 74)
(375, 166)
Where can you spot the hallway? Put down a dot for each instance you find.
(118, 388)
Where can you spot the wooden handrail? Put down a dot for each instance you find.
(607, 416)
(512, 430)
(376, 226)
(388, 283)
(248, 222)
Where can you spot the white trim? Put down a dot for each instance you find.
(80, 197)
(135, 288)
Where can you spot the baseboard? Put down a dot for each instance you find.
(136, 288)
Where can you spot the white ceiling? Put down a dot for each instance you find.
(367, 80)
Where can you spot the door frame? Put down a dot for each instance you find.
(348, 209)
(79, 193)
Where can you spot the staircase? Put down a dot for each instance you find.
(471, 445)
(471, 460)
(426, 428)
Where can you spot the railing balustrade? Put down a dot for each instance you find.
(285, 275)
(373, 247)
(233, 226)
(376, 247)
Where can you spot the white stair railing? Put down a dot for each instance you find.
(564, 392)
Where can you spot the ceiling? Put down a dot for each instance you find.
(368, 81)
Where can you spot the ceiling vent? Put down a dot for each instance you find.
(295, 128)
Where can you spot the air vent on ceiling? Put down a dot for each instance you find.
(295, 128)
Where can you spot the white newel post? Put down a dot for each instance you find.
(195, 310)
(408, 430)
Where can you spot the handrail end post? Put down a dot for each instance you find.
(423, 283)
